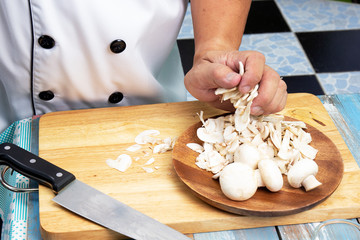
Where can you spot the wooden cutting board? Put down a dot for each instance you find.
(81, 141)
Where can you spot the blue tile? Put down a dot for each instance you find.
(282, 51)
(340, 83)
(186, 30)
(320, 15)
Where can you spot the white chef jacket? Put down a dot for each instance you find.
(74, 54)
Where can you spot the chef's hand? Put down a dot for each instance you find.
(221, 69)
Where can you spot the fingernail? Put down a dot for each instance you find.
(257, 110)
(230, 76)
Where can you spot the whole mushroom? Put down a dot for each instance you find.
(238, 181)
(248, 154)
(270, 175)
(302, 173)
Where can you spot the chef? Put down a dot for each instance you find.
(74, 54)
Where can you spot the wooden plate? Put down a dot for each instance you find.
(264, 203)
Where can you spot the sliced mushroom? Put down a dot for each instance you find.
(134, 148)
(146, 136)
(195, 147)
(209, 136)
(121, 163)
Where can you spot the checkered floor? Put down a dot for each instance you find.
(313, 44)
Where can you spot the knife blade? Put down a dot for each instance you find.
(85, 200)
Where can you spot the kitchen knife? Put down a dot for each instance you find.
(84, 200)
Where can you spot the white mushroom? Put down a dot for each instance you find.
(302, 173)
(242, 118)
(209, 136)
(161, 148)
(148, 169)
(195, 147)
(271, 175)
(150, 161)
(241, 138)
(134, 148)
(121, 163)
(146, 136)
(282, 164)
(266, 151)
(248, 154)
(238, 181)
(260, 182)
(241, 68)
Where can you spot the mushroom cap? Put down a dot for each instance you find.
(248, 154)
(238, 181)
(271, 175)
(301, 170)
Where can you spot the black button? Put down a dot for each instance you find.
(116, 97)
(117, 46)
(46, 41)
(46, 95)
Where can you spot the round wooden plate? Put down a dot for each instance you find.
(264, 203)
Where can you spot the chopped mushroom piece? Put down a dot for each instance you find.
(150, 161)
(210, 136)
(134, 148)
(195, 147)
(148, 169)
(146, 136)
(122, 163)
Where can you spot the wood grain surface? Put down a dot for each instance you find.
(264, 203)
(81, 141)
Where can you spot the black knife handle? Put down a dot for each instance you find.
(34, 167)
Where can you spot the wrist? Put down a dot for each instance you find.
(214, 45)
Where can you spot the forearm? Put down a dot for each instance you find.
(218, 24)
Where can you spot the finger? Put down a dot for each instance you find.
(267, 91)
(254, 69)
(206, 77)
(277, 104)
(278, 101)
(215, 75)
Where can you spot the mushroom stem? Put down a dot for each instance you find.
(260, 182)
(310, 183)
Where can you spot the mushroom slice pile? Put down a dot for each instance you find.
(149, 137)
(146, 138)
(268, 145)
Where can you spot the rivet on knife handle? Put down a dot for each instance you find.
(34, 167)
